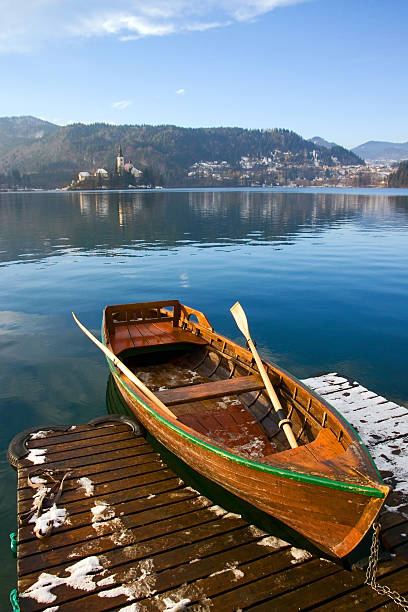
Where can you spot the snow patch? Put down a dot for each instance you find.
(227, 401)
(173, 606)
(272, 542)
(231, 515)
(123, 589)
(299, 555)
(37, 455)
(121, 535)
(81, 577)
(102, 512)
(87, 485)
(51, 518)
(258, 533)
(117, 531)
(107, 581)
(82, 573)
(38, 480)
(38, 434)
(254, 448)
(397, 509)
(230, 567)
(193, 374)
(141, 587)
(218, 510)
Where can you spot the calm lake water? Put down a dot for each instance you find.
(321, 274)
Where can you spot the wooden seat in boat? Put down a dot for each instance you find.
(137, 335)
(324, 447)
(232, 426)
(219, 388)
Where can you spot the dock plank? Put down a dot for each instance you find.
(74, 445)
(80, 432)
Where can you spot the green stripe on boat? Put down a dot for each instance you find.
(315, 480)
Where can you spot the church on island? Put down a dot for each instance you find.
(122, 167)
(125, 175)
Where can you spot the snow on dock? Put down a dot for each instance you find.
(381, 424)
(136, 538)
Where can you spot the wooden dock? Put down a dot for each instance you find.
(134, 537)
(383, 427)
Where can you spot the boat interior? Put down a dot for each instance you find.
(212, 386)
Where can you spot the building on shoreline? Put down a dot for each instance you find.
(124, 175)
(120, 162)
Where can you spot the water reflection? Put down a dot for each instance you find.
(35, 226)
(98, 204)
(39, 366)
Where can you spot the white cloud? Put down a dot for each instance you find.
(25, 26)
(246, 10)
(111, 24)
(121, 104)
(180, 92)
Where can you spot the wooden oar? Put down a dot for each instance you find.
(117, 362)
(240, 318)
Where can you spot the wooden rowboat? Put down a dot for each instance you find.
(206, 402)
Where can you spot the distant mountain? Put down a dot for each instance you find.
(321, 142)
(16, 131)
(376, 150)
(399, 178)
(52, 155)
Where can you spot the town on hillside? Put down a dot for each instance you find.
(286, 170)
(276, 169)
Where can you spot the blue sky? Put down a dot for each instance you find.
(333, 68)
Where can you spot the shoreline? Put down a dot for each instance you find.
(397, 191)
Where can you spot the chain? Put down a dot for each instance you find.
(370, 578)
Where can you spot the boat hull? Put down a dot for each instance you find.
(333, 515)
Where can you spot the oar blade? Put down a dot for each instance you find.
(240, 319)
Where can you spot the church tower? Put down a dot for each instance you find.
(120, 162)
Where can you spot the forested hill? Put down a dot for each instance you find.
(17, 131)
(59, 153)
(399, 178)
